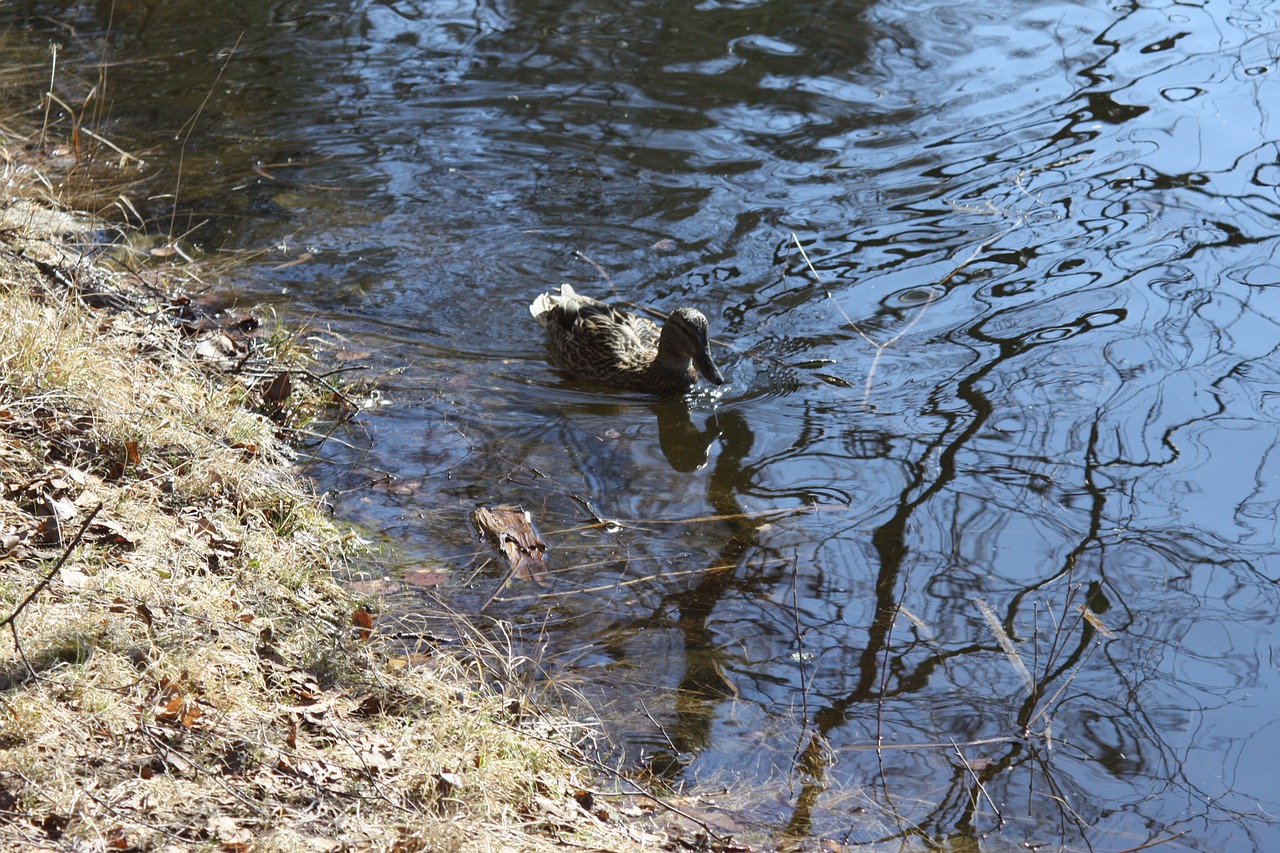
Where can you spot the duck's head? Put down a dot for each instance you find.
(684, 338)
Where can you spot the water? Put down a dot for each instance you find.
(992, 485)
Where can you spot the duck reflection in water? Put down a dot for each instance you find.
(684, 445)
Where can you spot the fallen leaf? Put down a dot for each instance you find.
(363, 620)
(305, 686)
(424, 577)
(511, 528)
(76, 579)
(232, 835)
(1096, 621)
(381, 586)
(378, 755)
(217, 347)
(317, 771)
(279, 388)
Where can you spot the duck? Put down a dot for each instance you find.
(609, 346)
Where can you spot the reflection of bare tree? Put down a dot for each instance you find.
(884, 671)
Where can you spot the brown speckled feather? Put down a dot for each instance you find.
(603, 344)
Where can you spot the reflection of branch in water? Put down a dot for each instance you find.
(882, 672)
(933, 294)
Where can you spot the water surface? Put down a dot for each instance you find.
(993, 483)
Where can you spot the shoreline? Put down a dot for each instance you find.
(182, 670)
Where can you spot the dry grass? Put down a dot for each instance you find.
(192, 676)
(189, 675)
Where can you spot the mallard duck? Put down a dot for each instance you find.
(603, 344)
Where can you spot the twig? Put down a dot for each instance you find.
(48, 103)
(800, 654)
(189, 128)
(631, 581)
(933, 294)
(11, 620)
(124, 155)
(827, 291)
(258, 168)
(981, 787)
(661, 729)
(582, 256)
(884, 682)
(1147, 845)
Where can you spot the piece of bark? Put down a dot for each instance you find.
(511, 529)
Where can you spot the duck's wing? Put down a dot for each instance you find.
(645, 330)
(606, 327)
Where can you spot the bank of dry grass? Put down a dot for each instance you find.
(179, 668)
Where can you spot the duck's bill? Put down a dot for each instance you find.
(708, 368)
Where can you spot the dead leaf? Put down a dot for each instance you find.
(305, 686)
(446, 781)
(202, 525)
(424, 577)
(217, 346)
(10, 541)
(378, 755)
(63, 509)
(76, 579)
(53, 825)
(317, 771)
(363, 620)
(232, 835)
(381, 586)
(315, 713)
(279, 389)
(104, 531)
(1096, 621)
(175, 706)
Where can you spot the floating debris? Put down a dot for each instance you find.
(511, 529)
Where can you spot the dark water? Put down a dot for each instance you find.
(1035, 395)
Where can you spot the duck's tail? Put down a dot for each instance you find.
(547, 302)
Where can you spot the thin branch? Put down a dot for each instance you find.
(11, 620)
(933, 294)
(189, 127)
(981, 787)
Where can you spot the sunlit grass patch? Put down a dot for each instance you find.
(179, 664)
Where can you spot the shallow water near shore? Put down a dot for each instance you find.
(992, 484)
